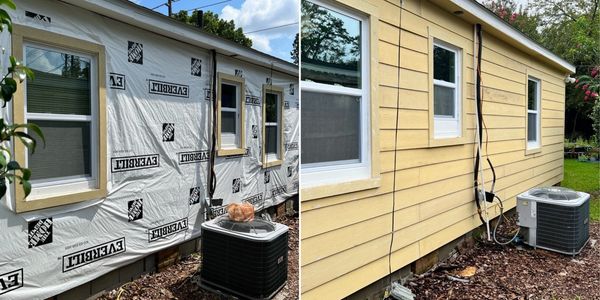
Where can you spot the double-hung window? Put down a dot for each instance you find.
(66, 100)
(231, 115)
(446, 91)
(335, 95)
(533, 113)
(272, 126)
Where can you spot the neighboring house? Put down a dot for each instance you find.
(383, 130)
(124, 97)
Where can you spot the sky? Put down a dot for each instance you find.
(251, 15)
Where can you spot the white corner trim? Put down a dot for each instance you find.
(141, 17)
(488, 17)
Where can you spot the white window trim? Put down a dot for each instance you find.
(277, 155)
(228, 140)
(538, 112)
(318, 174)
(44, 188)
(444, 126)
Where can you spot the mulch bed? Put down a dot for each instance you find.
(180, 281)
(514, 272)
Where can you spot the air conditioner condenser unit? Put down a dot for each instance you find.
(554, 218)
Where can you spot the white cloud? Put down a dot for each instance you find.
(260, 14)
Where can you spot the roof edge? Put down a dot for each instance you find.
(141, 17)
(488, 17)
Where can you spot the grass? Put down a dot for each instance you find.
(585, 177)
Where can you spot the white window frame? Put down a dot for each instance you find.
(43, 188)
(446, 126)
(316, 174)
(228, 140)
(538, 112)
(270, 156)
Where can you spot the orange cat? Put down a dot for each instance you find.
(242, 212)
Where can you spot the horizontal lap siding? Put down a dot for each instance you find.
(345, 238)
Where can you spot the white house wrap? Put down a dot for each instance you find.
(158, 106)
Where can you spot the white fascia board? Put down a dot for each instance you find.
(135, 15)
(488, 17)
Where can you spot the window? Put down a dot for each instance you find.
(230, 115)
(335, 95)
(66, 99)
(533, 113)
(272, 126)
(446, 91)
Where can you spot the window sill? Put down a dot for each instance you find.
(229, 152)
(316, 192)
(443, 142)
(530, 151)
(26, 205)
(272, 163)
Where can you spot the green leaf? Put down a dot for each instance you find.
(33, 127)
(26, 187)
(8, 3)
(27, 140)
(26, 173)
(13, 165)
(2, 187)
(3, 161)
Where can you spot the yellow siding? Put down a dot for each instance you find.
(346, 237)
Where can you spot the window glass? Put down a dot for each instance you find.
(61, 84)
(331, 46)
(272, 137)
(444, 63)
(444, 101)
(228, 122)
(532, 127)
(228, 95)
(330, 128)
(271, 108)
(67, 151)
(531, 95)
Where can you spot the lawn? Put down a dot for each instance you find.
(584, 176)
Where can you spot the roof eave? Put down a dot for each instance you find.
(134, 15)
(488, 18)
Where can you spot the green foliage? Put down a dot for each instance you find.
(294, 52)
(518, 16)
(584, 177)
(10, 169)
(214, 25)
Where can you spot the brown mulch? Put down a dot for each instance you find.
(180, 281)
(514, 272)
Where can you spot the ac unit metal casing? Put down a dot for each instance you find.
(554, 218)
(245, 259)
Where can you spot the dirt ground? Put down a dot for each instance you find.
(180, 281)
(489, 271)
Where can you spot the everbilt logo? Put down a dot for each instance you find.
(267, 177)
(196, 67)
(254, 131)
(117, 81)
(135, 210)
(291, 146)
(193, 157)
(239, 73)
(130, 163)
(11, 281)
(218, 211)
(168, 229)
(40, 232)
(252, 100)
(286, 104)
(135, 53)
(269, 80)
(87, 256)
(194, 195)
(254, 199)
(168, 132)
(290, 171)
(278, 190)
(168, 88)
(291, 88)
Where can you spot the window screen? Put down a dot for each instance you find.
(272, 123)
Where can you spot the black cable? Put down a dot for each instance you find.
(212, 178)
(393, 229)
(479, 122)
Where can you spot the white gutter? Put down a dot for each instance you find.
(130, 13)
(490, 19)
